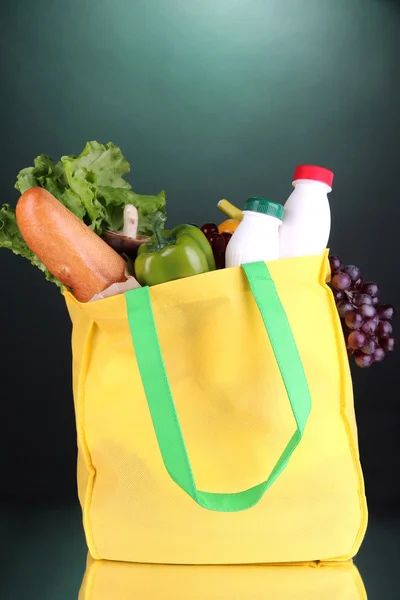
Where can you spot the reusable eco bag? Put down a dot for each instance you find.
(106, 580)
(215, 420)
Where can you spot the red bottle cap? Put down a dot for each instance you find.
(314, 173)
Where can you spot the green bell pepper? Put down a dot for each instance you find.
(182, 252)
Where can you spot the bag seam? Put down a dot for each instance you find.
(80, 420)
(345, 372)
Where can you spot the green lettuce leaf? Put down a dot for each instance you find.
(90, 185)
(147, 206)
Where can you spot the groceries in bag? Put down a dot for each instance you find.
(127, 241)
(218, 242)
(231, 211)
(92, 186)
(67, 247)
(307, 220)
(169, 255)
(367, 324)
(257, 236)
(229, 226)
(92, 245)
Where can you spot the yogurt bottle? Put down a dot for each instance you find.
(307, 222)
(257, 236)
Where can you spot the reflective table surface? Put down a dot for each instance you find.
(43, 556)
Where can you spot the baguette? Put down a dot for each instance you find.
(69, 249)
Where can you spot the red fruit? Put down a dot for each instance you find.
(344, 307)
(379, 354)
(338, 295)
(353, 272)
(367, 310)
(369, 347)
(375, 301)
(363, 360)
(212, 237)
(341, 281)
(388, 344)
(360, 299)
(354, 320)
(386, 312)
(209, 228)
(358, 284)
(335, 264)
(219, 247)
(384, 329)
(227, 236)
(370, 288)
(370, 326)
(357, 339)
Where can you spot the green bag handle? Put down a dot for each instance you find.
(161, 403)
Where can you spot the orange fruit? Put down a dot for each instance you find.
(228, 226)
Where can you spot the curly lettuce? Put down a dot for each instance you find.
(90, 185)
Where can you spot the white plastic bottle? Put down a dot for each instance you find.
(257, 236)
(307, 221)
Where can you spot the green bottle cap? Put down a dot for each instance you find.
(266, 207)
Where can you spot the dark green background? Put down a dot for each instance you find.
(207, 99)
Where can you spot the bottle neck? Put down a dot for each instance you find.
(318, 186)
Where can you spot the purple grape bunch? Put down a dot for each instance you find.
(367, 324)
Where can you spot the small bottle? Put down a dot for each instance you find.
(257, 236)
(307, 222)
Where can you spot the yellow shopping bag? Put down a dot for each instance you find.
(106, 580)
(215, 420)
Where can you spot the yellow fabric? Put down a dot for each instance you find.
(235, 418)
(105, 580)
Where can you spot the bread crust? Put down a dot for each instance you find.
(69, 249)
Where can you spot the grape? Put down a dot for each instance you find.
(369, 347)
(386, 312)
(219, 247)
(212, 237)
(358, 284)
(209, 228)
(354, 320)
(367, 310)
(352, 271)
(346, 330)
(379, 354)
(363, 360)
(360, 299)
(388, 344)
(227, 237)
(335, 263)
(370, 325)
(370, 288)
(219, 243)
(366, 324)
(338, 295)
(375, 301)
(344, 307)
(357, 339)
(341, 281)
(384, 329)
